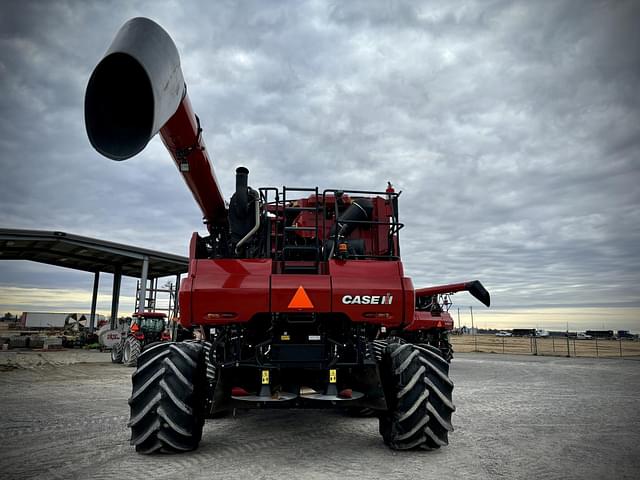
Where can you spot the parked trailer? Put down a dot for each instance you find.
(600, 333)
(524, 332)
(44, 319)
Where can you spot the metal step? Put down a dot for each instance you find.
(300, 248)
(312, 268)
(302, 209)
(299, 229)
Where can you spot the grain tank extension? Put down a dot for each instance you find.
(295, 298)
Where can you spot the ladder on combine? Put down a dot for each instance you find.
(299, 258)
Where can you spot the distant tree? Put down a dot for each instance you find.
(8, 317)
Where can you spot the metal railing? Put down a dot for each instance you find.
(394, 225)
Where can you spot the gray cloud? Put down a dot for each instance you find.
(513, 129)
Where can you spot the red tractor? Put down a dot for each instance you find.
(144, 329)
(297, 297)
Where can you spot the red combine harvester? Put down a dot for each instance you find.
(289, 301)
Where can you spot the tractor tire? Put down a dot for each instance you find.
(116, 353)
(131, 351)
(418, 393)
(167, 402)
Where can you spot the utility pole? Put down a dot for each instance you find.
(475, 334)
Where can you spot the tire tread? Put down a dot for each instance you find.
(167, 401)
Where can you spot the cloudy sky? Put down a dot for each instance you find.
(512, 128)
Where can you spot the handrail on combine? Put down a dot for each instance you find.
(394, 225)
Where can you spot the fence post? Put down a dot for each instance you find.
(574, 348)
(535, 345)
(620, 342)
(597, 354)
(553, 344)
(502, 344)
(568, 347)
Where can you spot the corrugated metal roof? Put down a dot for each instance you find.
(84, 253)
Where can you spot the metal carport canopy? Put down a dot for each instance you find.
(88, 254)
(92, 255)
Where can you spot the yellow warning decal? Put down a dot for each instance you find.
(300, 299)
(333, 375)
(284, 338)
(265, 377)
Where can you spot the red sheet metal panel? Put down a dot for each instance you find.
(368, 290)
(237, 288)
(288, 291)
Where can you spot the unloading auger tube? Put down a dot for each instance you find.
(138, 90)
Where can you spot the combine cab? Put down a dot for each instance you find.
(296, 297)
(145, 328)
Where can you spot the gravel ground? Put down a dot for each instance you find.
(517, 417)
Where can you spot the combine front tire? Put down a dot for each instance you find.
(440, 388)
(446, 350)
(167, 403)
(131, 351)
(418, 393)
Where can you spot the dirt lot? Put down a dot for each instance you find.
(518, 417)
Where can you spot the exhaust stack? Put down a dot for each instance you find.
(138, 90)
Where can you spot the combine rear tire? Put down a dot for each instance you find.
(167, 403)
(212, 378)
(116, 353)
(131, 351)
(418, 393)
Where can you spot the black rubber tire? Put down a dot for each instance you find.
(149, 345)
(131, 351)
(440, 388)
(125, 351)
(212, 377)
(446, 350)
(418, 394)
(116, 353)
(167, 402)
(210, 360)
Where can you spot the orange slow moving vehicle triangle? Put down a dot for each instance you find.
(300, 299)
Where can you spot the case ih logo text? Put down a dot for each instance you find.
(367, 299)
